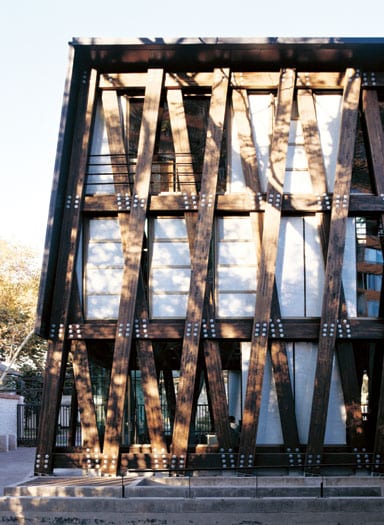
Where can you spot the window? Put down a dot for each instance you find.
(170, 268)
(236, 267)
(103, 269)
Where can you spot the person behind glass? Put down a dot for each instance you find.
(235, 434)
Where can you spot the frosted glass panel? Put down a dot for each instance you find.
(236, 267)
(104, 229)
(236, 253)
(296, 133)
(328, 111)
(300, 267)
(170, 270)
(104, 269)
(314, 268)
(298, 182)
(290, 267)
(169, 279)
(296, 158)
(105, 254)
(237, 181)
(105, 280)
(234, 228)
(297, 177)
(102, 306)
(245, 278)
(269, 429)
(170, 254)
(302, 360)
(169, 305)
(236, 305)
(170, 229)
(335, 430)
(261, 108)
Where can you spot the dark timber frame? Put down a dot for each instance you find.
(224, 71)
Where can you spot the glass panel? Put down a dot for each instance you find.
(105, 254)
(236, 177)
(300, 267)
(234, 228)
(166, 228)
(262, 109)
(164, 306)
(236, 305)
(102, 306)
(104, 281)
(104, 229)
(336, 419)
(297, 177)
(170, 254)
(236, 267)
(290, 267)
(167, 279)
(170, 268)
(236, 253)
(103, 269)
(314, 268)
(302, 366)
(328, 111)
(302, 358)
(245, 278)
(296, 158)
(269, 429)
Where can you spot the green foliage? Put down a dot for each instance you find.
(19, 283)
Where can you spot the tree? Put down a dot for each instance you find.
(19, 283)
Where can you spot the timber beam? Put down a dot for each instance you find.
(280, 329)
(178, 203)
(205, 458)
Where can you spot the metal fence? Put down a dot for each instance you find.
(137, 432)
(28, 422)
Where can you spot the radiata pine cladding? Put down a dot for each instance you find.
(213, 269)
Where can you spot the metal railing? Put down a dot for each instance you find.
(28, 420)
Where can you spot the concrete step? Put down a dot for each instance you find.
(218, 487)
(194, 511)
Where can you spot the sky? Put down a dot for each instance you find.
(34, 36)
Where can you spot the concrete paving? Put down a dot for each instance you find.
(16, 466)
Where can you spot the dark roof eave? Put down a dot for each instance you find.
(313, 53)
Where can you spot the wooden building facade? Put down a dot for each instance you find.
(215, 233)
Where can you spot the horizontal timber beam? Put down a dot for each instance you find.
(240, 202)
(292, 329)
(275, 457)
